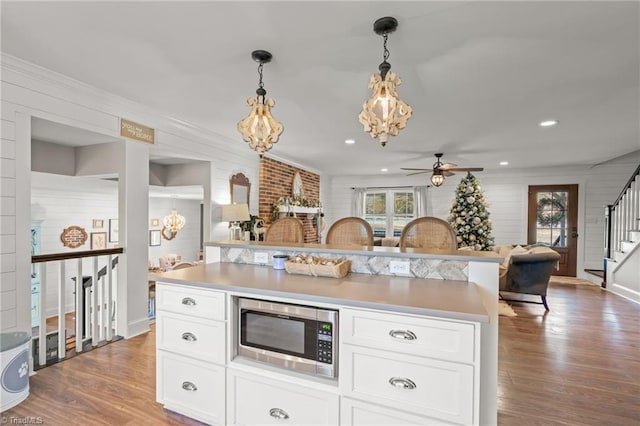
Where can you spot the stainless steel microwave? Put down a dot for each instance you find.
(302, 338)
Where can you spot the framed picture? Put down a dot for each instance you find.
(154, 237)
(155, 222)
(98, 223)
(113, 231)
(98, 240)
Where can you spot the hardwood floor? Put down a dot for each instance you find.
(578, 364)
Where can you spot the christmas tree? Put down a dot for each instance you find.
(469, 216)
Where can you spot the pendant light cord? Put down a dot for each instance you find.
(260, 83)
(385, 56)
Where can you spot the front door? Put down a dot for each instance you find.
(553, 221)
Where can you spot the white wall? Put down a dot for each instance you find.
(58, 202)
(506, 194)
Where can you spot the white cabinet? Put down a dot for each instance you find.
(394, 369)
(191, 387)
(421, 366)
(263, 400)
(359, 413)
(191, 352)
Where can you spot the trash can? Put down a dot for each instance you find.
(14, 362)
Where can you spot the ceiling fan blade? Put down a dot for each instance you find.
(447, 173)
(409, 168)
(447, 166)
(418, 173)
(466, 169)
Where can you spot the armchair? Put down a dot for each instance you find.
(528, 272)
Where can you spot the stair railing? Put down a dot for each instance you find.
(622, 216)
(93, 306)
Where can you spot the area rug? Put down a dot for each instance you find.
(505, 310)
(570, 280)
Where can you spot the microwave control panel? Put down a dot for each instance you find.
(325, 343)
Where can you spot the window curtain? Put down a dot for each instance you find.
(358, 201)
(421, 202)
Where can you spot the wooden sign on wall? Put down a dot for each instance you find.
(73, 236)
(136, 131)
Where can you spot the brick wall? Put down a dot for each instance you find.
(276, 180)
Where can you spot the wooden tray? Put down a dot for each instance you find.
(334, 271)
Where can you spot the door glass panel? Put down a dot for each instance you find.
(559, 237)
(551, 218)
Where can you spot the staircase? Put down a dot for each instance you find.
(622, 237)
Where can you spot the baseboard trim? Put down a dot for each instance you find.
(137, 328)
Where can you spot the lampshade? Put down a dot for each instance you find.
(173, 222)
(260, 130)
(384, 114)
(235, 213)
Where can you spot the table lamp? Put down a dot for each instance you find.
(235, 213)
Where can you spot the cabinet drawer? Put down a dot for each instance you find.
(447, 340)
(191, 387)
(256, 400)
(358, 413)
(201, 303)
(429, 387)
(198, 338)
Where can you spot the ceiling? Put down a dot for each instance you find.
(479, 75)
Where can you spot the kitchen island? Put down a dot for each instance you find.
(444, 372)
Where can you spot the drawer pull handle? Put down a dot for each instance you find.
(188, 386)
(278, 413)
(188, 301)
(401, 382)
(189, 337)
(403, 334)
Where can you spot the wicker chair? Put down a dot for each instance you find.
(428, 233)
(350, 231)
(285, 230)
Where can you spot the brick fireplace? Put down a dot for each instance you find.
(276, 181)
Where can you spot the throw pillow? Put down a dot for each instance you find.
(516, 250)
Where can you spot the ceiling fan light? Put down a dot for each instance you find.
(437, 178)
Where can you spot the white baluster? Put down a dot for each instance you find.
(109, 299)
(62, 316)
(93, 318)
(79, 307)
(42, 330)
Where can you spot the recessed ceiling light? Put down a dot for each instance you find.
(504, 163)
(384, 170)
(548, 123)
(349, 141)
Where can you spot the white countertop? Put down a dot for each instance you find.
(433, 297)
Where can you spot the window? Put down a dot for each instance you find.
(388, 211)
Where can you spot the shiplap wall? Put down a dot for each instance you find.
(60, 201)
(8, 294)
(32, 91)
(506, 193)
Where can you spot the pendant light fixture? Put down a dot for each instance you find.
(260, 130)
(384, 114)
(173, 222)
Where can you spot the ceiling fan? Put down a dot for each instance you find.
(440, 170)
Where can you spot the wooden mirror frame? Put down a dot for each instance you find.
(167, 234)
(239, 180)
